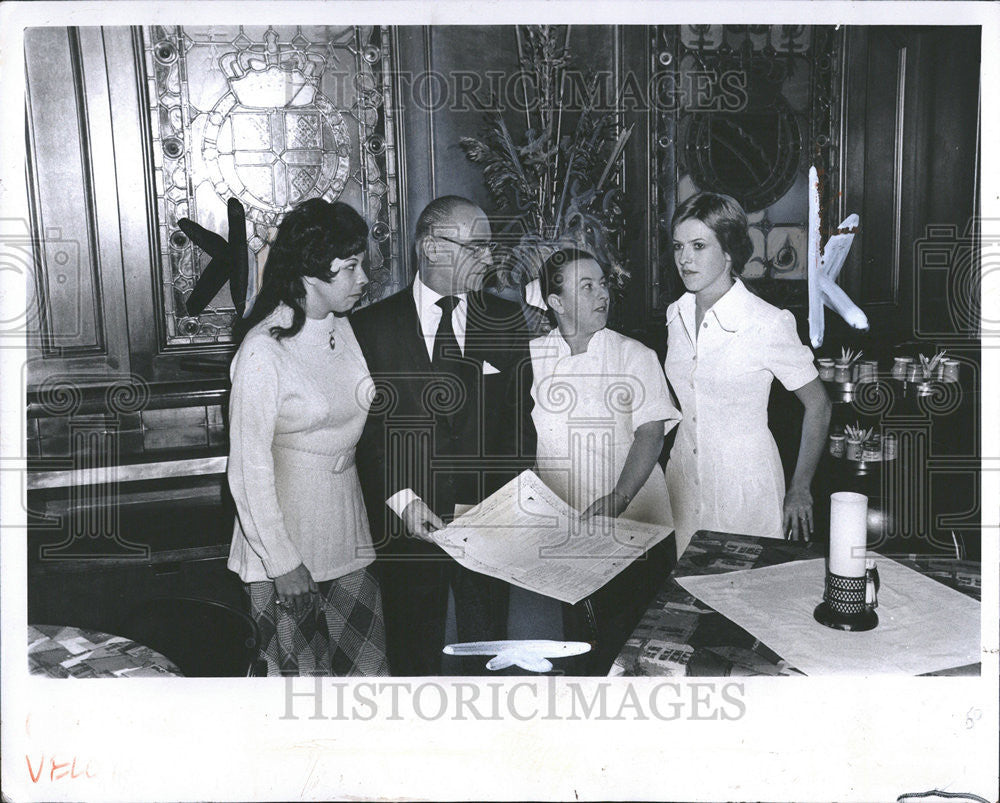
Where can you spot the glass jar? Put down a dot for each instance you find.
(838, 445)
(949, 370)
(871, 449)
(867, 371)
(901, 368)
(825, 365)
(853, 449)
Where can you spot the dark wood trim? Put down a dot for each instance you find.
(401, 272)
(40, 277)
(897, 177)
(87, 171)
(156, 557)
(428, 33)
(852, 149)
(147, 341)
(94, 400)
(843, 46)
(75, 94)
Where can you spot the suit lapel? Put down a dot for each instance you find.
(487, 336)
(412, 349)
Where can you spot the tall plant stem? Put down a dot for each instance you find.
(562, 82)
(524, 84)
(623, 136)
(545, 113)
(565, 188)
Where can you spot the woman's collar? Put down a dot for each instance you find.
(563, 348)
(730, 310)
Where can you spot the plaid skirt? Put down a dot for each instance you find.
(341, 633)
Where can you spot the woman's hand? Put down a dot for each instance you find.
(639, 462)
(612, 506)
(798, 514)
(294, 590)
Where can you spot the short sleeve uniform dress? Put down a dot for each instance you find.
(297, 409)
(724, 471)
(587, 408)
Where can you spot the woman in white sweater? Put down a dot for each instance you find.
(300, 396)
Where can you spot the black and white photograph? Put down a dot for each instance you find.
(465, 402)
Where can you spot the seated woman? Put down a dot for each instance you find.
(300, 397)
(601, 401)
(724, 348)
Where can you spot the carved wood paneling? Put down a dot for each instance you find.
(910, 171)
(124, 137)
(80, 327)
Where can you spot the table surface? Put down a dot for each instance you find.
(58, 651)
(680, 635)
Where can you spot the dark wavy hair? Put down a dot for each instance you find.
(553, 273)
(310, 237)
(727, 220)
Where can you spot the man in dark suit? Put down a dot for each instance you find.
(451, 423)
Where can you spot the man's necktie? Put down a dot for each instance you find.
(446, 350)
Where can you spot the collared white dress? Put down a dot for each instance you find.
(587, 409)
(724, 471)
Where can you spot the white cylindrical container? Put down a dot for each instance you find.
(949, 370)
(901, 367)
(867, 371)
(852, 449)
(848, 533)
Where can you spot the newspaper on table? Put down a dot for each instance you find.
(526, 535)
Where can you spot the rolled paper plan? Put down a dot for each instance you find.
(848, 533)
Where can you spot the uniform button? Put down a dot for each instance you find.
(695, 451)
(694, 356)
(694, 419)
(705, 325)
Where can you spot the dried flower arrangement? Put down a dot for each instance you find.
(849, 356)
(558, 186)
(929, 365)
(855, 432)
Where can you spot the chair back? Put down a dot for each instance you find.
(203, 637)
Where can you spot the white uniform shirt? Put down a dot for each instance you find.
(587, 409)
(724, 471)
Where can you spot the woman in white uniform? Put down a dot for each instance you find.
(601, 401)
(724, 348)
(300, 398)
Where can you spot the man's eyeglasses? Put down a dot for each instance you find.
(479, 248)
